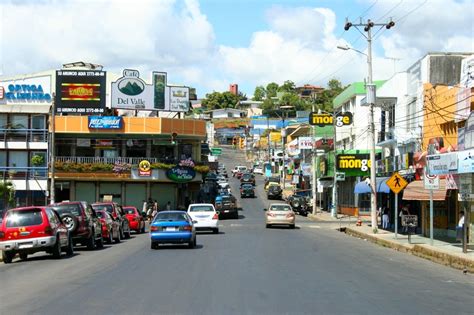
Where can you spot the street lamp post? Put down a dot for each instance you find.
(283, 137)
(370, 88)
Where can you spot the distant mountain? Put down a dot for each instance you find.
(131, 89)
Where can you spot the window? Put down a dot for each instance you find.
(19, 121)
(41, 154)
(3, 121)
(68, 208)
(18, 159)
(3, 157)
(24, 218)
(201, 209)
(38, 122)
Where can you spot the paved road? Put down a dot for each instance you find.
(246, 269)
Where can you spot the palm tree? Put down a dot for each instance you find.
(7, 190)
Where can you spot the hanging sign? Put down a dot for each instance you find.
(305, 143)
(181, 174)
(179, 99)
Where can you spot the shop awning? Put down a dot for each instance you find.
(381, 184)
(416, 191)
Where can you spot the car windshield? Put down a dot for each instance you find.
(242, 168)
(248, 186)
(67, 208)
(171, 216)
(280, 208)
(129, 210)
(201, 209)
(107, 208)
(101, 214)
(24, 218)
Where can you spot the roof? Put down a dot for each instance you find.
(416, 191)
(356, 88)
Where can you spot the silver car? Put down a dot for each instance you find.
(279, 214)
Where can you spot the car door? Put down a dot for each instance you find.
(57, 225)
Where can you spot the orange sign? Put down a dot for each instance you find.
(396, 183)
(80, 92)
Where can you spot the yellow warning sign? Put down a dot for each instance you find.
(396, 183)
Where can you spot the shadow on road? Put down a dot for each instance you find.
(44, 257)
(184, 246)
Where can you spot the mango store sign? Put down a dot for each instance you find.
(34, 90)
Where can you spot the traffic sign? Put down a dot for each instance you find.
(216, 151)
(396, 183)
(430, 181)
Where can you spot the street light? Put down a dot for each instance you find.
(350, 48)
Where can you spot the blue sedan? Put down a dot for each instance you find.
(172, 227)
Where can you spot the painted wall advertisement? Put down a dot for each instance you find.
(33, 90)
(80, 91)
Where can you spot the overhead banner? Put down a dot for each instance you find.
(131, 92)
(33, 90)
(179, 99)
(80, 91)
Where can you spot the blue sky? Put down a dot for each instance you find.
(209, 44)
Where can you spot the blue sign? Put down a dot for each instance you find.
(105, 122)
(27, 93)
(181, 174)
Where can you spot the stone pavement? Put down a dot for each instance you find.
(449, 254)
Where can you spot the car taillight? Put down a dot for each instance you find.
(186, 228)
(48, 230)
(155, 228)
(270, 214)
(215, 217)
(2, 234)
(290, 215)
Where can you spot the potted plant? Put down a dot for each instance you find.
(12, 171)
(37, 161)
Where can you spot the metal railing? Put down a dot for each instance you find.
(112, 160)
(24, 135)
(23, 173)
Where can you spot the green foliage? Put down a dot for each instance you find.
(7, 192)
(259, 93)
(325, 98)
(37, 160)
(217, 100)
(288, 87)
(82, 167)
(272, 89)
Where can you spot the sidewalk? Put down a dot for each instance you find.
(448, 254)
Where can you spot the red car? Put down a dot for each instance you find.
(137, 222)
(116, 211)
(110, 227)
(29, 230)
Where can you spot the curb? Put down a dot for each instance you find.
(421, 251)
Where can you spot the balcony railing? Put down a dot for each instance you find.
(24, 135)
(23, 173)
(113, 160)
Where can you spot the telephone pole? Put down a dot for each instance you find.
(371, 99)
(52, 192)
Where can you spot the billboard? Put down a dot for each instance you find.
(159, 91)
(131, 92)
(80, 91)
(31, 91)
(179, 99)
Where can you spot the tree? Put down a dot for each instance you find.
(326, 97)
(217, 100)
(272, 89)
(259, 93)
(7, 191)
(288, 86)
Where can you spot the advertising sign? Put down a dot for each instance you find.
(342, 119)
(305, 143)
(466, 161)
(179, 99)
(33, 90)
(442, 163)
(105, 122)
(80, 91)
(181, 174)
(159, 89)
(144, 168)
(131, 92)
(353, 162)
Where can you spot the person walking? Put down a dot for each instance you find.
(460, 227)
(385, 219)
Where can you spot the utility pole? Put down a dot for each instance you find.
(52, 153)
(313, 164)
(371, 99)
(334, 187)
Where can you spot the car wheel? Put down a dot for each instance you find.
(70, 221)
(192, 244)
(215, 231)
(56, 249)
(70, 247)
(236, 215)
(100, 242)
(118, 239)
(91, 241)
(7, 257)
(292, 226)
(154, 245)
(267, 226)
(127, 234)
(143, 228)
(122, 235)
(23, 256)
(110, 238)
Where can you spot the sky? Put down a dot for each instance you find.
(210, 44)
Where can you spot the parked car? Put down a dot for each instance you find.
(205, 215)
(172, 227)
(247, 190)
(258, 170)
(117, 214)
(226, 206)
(110, 227)
(136, 220)
(29, 230)
(279, 214)
(82, 221)
(299, 204)
(274, 192)
(247, 178)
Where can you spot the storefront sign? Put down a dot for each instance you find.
(34, 90)
(179, 99)
(104, 144)
(442, 163)
(131, 92)
(144, 168)
(105, 122)
(342, 119)
(466, 161)
(159, 91)
(305, 143)
(180, 174)
(353, 162)
(80, 91)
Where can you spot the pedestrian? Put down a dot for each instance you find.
(385, 219)
(403, 213)
(168, 205)
(460, 227)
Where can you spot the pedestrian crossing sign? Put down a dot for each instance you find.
(396, 183)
